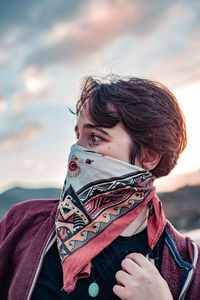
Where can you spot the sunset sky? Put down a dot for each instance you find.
(47, 47)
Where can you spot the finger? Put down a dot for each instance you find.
(130, 266)
(152, 261)
(140, 260)
(119, 291)
(123, 278)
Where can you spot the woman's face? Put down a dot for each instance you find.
(114, 142)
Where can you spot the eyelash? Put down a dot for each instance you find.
(91, 138)
(93, 135)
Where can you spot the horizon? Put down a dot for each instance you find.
(162, 185)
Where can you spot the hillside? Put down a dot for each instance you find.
(19, 194)
(181, 207)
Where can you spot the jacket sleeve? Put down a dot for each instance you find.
(5, 226)
(8, 223)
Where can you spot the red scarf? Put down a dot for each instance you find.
(85, 227)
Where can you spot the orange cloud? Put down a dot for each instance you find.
(99, 22)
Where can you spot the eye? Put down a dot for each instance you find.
(95, 138)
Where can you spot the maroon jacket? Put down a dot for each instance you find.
(28, 228)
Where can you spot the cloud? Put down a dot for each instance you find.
(96, 25)
(30, 163)
(34, 84)
(19, 138)
(183, 67)
(178, 60)
(33, 16)
(71, 33)
(170, 51)
(3, 57)
(23, 24)
(3, 105)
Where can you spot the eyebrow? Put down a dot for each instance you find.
(91, 126)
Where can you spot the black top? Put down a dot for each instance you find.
(104, 267)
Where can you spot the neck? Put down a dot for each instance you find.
(138, 225)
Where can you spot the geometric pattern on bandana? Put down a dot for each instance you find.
(84, 214)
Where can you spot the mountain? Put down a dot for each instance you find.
(19, 194)
(181, 206)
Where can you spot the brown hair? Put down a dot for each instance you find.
(148, 111)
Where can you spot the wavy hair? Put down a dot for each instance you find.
(148, 111)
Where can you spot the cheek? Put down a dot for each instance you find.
(118, 151)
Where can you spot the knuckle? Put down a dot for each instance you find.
(139, 255)
(128, 294)
(135, 256)
(141, 277)
(146, 278)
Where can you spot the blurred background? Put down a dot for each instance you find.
(47, 47)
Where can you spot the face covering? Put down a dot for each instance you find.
(101, 197)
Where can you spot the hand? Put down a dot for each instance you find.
(140, 280)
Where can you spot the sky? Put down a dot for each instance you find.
(46, 49)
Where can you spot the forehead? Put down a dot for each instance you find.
(83, 116)
(84, 113)
(101, 121)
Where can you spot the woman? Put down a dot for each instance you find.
(113, 240)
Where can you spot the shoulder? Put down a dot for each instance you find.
(35, 205)
(30, 211)
(29, 208)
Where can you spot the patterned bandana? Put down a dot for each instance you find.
(100, 198)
